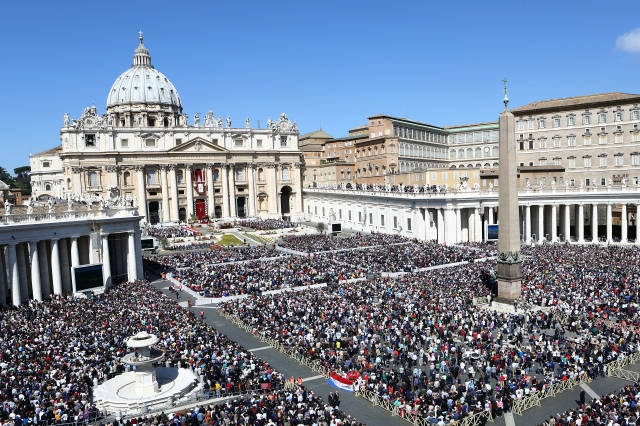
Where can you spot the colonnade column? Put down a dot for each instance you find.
(75, 256)
(22, 254)
(441, 226)
(567, 222)
(132, 270)
(14, 274)
(232, 191)
(106, 261)
(623, 233)
(45, 278)
(450, 222)
(490, 213)
(225, 189)
(165, 194)
(457, 235)
(142, 191)
(211, 192)
(56, 276)
(527, 224)
(541, 223)
(3, 278)
(477, 229)
(580, 223)
(36, 285)
(252, 189)
(609, 224)
(594, 223)
(187, 171)
(175, 214)
(554, 223)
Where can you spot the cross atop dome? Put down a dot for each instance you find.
(141, 57)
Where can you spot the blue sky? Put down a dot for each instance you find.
(324, 63)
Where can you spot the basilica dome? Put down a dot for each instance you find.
(142, 84)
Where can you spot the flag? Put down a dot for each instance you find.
(341, 382)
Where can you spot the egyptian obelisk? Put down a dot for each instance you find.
(509, 258)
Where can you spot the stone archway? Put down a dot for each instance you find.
(285, 196)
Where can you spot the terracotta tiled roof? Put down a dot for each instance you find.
(50, 151)
(575, 101)
(318, 134)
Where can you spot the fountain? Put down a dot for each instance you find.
(145, 386)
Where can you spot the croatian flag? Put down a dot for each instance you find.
(341, 382)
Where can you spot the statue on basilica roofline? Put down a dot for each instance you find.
(228, 122)
(209, 119)
(247, 123)
(219, 122)
(184, 120)
(196, 119)
(66, 119)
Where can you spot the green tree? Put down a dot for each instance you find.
(23, 174)
(6, 177)
(321, 227)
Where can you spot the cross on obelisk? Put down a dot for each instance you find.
(509, 259)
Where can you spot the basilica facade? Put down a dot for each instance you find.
(145, 150)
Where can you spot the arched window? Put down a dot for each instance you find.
(495, 151)
(452, 154)
(461, 153)
(495, 164)
(152, 178)
(469, 153)
(93, 179)
(239, 173)
(216, 175)
(401, 149)
(478, 152)
(285, 173)
(261, 174)
(126, 177)
(47, 187)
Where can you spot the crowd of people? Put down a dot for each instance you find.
(420, 342)
(314, 243)
(170, 231)
(202, 259)
(266, 224)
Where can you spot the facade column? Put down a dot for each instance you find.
(224, 171)
(441, 226)
(132, 270)
(175, 214)
(22, 253)
(232, 191)
(458, 234)
(477, 227)
(490, 212)
(527, 224)
(273, 190)
(14, 274)
(106, 261)
(541, 223)
(554, 223)
(56, 276)
(211, 191)
(36, 285)
(609, 224)
(471, 224)
(45, 278)
(252, 189)
(567, 222)
(188, 168)
(623, 230)
(580, 223)
(594, 223)
(450, 223)
(297, 181)
(165, 194)
(142, 192)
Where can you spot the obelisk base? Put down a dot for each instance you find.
(509, 280)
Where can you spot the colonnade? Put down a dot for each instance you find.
(37, 268)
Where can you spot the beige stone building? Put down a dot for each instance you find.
(145, 150)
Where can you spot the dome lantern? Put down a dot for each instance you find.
(141, 57)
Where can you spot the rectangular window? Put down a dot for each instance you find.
(349, 215)
(150, 143)
(586, 119)
(543, 180)
(619, 160)
(521, 145)
(323, 212)
(571, 121)
(381, 220)
(408, 224)
(178, 141)
(530, 124)
(433, 176)
(618, 138)
(602, 140)
(587, 182)
(586, 140)
(556, 122)
(444, 176)
(556, 143)
(395, 222)
(587, 162)
(535, 180)
(179, 177)
(315, 210)
(602, 118)
(635, 137)
(635, 115)
(283, 141)
(603, 161)
(530, 144)
(571, 141)
(543, 162)
(455, 176)
(603, 181)
(259, 143)
(124, 143)
(370, 218)
(542, 124)
(93, 179)
(572, 163)
(617, 116)
(359, 216)
(495, 182)
(556, 162)
(636, 180)
(520, 125)
(240, 175)
(239, 142)
(90, 140)
(543, 143)
(635, 160)
(46, 164)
